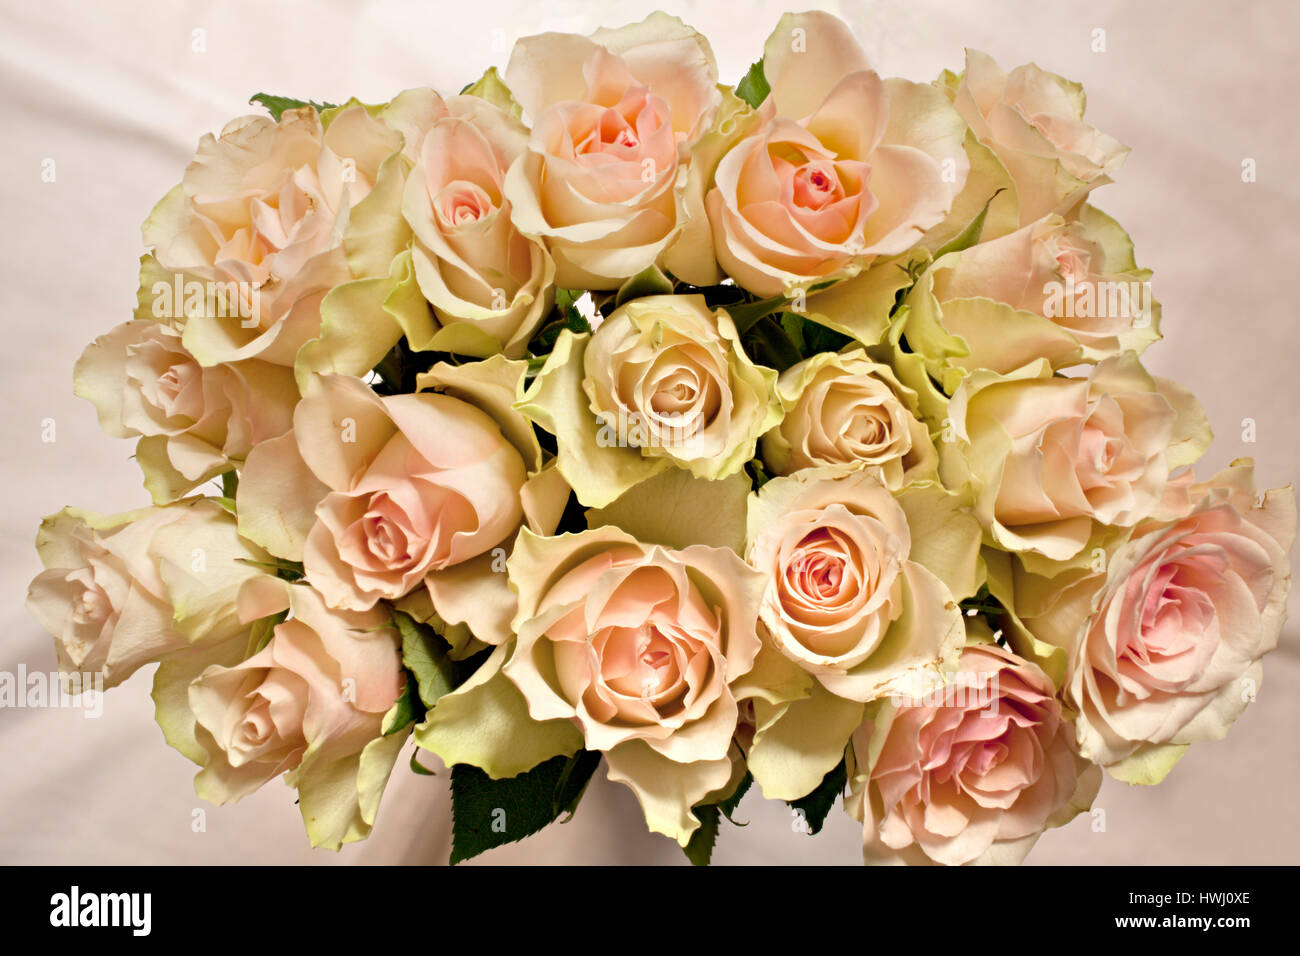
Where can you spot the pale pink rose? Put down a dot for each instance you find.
(1033, 122)
(478, 271)
(844, 600)
(1050, 458)
(311, 704)
(1080, 275)
(1165, 645)
(845, 411)
(614, 116)
(638, 645)
(259, 219)
(972, 773)
(404, 486)
(845, 166)
(193, 422)
(122, 591)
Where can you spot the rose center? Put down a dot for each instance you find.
(817, 185)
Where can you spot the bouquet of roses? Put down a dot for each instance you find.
(790, 434)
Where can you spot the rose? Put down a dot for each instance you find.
(311, 704)
(844, 601)
(614, 116)
(1052, 289)
(665, 363)
(402, 486)
(663, 381)
(842, 410)
(489, 285)
(1052, 459)
(259, 221)
(1033, 122)
(974, 777)
(1165, 644)
(122, 591)
(849, 612)
(381, 496)
(845, 166)
(638, 646)
(193, 422)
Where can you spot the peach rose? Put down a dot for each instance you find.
(193, 422)
(973, 777)
(411, 484)
(311, 704)
(638, 645)
(259, 221)
(489, 285)
(845, 166)
(122, 591)
(1058, 290)
(1033, 122)
(1050, 458)
(844, 411)
(614, 116)
(1165, 645)
(843, 599)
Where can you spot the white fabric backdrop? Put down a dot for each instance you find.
(117, 95)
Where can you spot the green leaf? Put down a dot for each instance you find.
(229, 484)
(753, 89)
(417, 767)
(816, 805)
(569, 318)
(276, 105)
(263, 629)
(282, 569)
(770, 345)
(700, 848)
(970, 235)
(406, 710)
(745, 314)
(487, 813)
(649, 281)
(425, 655)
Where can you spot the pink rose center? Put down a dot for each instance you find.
(1174, 637)
(822, 571)
(816, 185)
(462, 203)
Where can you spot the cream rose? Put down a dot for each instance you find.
(1033, 122)
(122, 591)
(309, 704)
(638, 646)
(1052, 289)
(489, 285)
(614, 116)
(259, 222)
(193, 422)
(1049, 458)
(844, 601)
(662, 382)
(845, 166)
(1165, 645)
(842, 410)
(973, 776)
